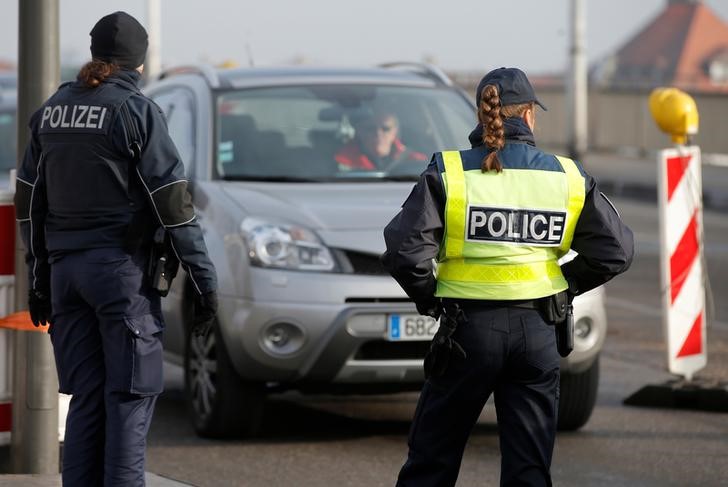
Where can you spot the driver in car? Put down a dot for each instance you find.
(376, 145)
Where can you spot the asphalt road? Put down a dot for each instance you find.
(361, 441)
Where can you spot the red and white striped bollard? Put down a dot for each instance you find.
(682, 276)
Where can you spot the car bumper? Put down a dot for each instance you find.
(590, 324)
(335, 329)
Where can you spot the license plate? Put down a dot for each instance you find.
(411, 327)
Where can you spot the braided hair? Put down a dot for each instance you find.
(491, 115)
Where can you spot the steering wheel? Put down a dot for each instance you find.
(401, 166)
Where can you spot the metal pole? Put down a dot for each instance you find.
(578, 82)
(153, 62)
(34, 438)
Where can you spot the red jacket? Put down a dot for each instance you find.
(352, 157)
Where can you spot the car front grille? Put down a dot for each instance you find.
(365, 264)
(384, 350)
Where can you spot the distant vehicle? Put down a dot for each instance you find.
(8, 130)
(8, 81)
(294, 228)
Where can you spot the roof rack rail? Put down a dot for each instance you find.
(205, 70)
(429, 70)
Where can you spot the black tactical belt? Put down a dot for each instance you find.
(502, 303)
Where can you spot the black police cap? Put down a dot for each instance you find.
(513, 87)
(120, 39)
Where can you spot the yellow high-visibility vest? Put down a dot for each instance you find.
(505, 232)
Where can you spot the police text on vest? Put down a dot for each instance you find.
(74, 117)
(515, 225)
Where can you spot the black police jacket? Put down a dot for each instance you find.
(605, 245)
(100, 163)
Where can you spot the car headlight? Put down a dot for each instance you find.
(285, 246)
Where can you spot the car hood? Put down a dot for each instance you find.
(345, 215)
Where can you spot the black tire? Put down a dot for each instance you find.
(221, 405)
(578, 396)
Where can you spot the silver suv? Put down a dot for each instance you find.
(294, 173)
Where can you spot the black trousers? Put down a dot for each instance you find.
(511, 352)
(107, 340)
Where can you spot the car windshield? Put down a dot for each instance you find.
(7, 141)
(336, 132)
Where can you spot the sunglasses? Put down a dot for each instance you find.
(384, 128)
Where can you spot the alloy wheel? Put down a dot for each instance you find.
(203, 374)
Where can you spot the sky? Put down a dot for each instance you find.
(455, 34)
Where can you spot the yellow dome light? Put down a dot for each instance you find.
(675, 113)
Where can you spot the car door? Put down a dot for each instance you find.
(178, 106)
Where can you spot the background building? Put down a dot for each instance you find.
(685, 46)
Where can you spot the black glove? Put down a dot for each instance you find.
(39, 306)
(429, 307)
(205, 312)
(443, 345)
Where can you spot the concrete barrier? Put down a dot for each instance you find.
(7, 308)
(7, 286)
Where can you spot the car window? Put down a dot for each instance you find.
(177, 106)
(8, 141)
(337, 132)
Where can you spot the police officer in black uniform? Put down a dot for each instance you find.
(496, 219)
(98, 176)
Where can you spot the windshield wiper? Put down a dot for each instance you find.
(297, 179)
(270, 179)
(401, 177)
(374, 179)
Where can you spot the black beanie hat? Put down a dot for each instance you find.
(118, 38)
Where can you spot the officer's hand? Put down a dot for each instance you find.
(430, 307)
(205, 312)
(39, 306)
(441, 350)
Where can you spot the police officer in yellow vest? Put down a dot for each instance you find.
(480, 237)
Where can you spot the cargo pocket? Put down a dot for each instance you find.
(540, 343)
(145, 354)
(64, 382)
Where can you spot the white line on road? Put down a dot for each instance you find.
(720, 160)
(649, 310)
